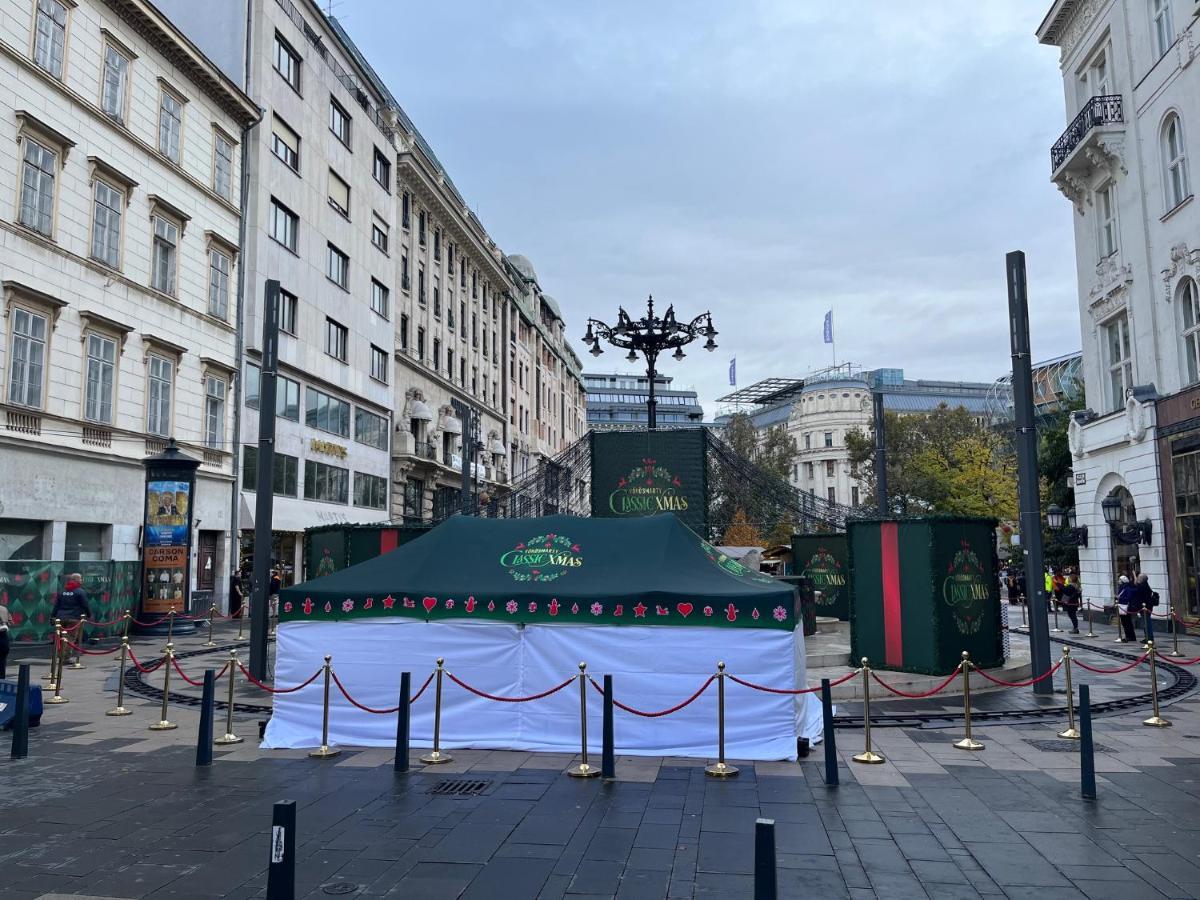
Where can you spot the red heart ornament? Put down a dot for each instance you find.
(429, 603)
(685, 609)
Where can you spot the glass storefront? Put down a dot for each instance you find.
(1185, 469)
(283, 553)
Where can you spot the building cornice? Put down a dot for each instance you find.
(1056, 20)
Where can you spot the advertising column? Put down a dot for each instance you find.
(167, 534)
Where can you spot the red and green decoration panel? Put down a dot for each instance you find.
(644, 473)
(824, 560)
(922, 592)
(29, 587)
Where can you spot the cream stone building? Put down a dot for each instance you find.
(121, 172)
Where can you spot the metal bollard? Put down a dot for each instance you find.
(720, 769)
(436, 757)
(325, 751)
(1174, 635)
(78, 664)
(765, 885)
(1155, 721)
(1024, 616)
(1087, 758)
(245, 611)
(1055, 629)
(212, 612)
(163, 724)
(968, 742)
(403, 721)
(204, 736)
(868, 756)
(20, 722)
(229, 737)
(58, 680)
(583, 770)
(281, 873)
(831, 760)
(52, 675)
(119, 709)
(608, 757)
(170, 624)
(1072, 733)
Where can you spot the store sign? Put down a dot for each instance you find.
(965, 589)
(327, 447)
(828, 579)
(647, 489)
(641, 473)
(546, 557)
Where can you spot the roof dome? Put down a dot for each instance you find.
(553, 304)
(524, 266)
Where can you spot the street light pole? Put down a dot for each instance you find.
(649, 336)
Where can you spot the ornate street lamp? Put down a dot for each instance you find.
(1057, 518)
(1131, 533)
(649, 336)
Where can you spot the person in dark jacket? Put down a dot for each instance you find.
(71, 605)
(1125, 609)
(5, 622)
(1144, 600)
(236, 594)
(1070, 603)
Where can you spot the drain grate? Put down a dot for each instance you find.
(460, 787)
(1064, 746)
(340, 887)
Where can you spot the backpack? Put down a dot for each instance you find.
(1153, 599)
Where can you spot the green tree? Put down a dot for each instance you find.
(763, 501)
(1056, 479)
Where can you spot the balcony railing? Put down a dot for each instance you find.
(1105, 110)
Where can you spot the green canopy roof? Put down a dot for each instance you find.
(564, 569)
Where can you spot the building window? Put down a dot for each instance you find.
(219, 266)
(854, 496)
(404, 210)
(437, 244)
(414, 498)
(37, 187)
(829, 439)
(335, 339)
(166, 251)
(287, 398)
(158, 396)
(252, 385)
(437, 297)
(28, 350)
(214, 413)
(381, 168)
(1189, 303)
(222, 165)
(421, 285)
(829, 468)
(337, 267)
(287, 62)
(108, 206)
(327, 413)
(1118, 360)
(285, 144)
(284, 225)
(1164, 28)
(50, 36)
(370, 491)
(379, 364)
(403, 331)
(101, 371)
(339, 122)
(379, 298)
(832, 494)
(437, 353)
(421, 227)
(1175, 162)
(287, 312)
(810, 471)
(421, 344)
(379, 236)
(325, 482)
(170, 125)
(284, 480)
(405, 281)
(370, 429)
(114, 84)
(339, 194)
(450, 363)
(1106, 208)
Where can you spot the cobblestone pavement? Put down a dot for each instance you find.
(103, 807)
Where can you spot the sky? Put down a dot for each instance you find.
(765, 160)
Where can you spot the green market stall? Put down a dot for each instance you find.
(514, 604)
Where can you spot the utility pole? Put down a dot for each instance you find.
(881, 485)
(1027, 469)
(264, 505)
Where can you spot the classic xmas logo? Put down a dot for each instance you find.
(546, 557)
(826, 575)
(731, 566)
(648, 489)
(965, 589)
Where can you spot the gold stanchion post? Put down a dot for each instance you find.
(968, 742)
(242, 615)
(1055, 629)
(229, 737)
(868, 756)
(1088, 613)
(1156, 720)
(58, 680)
(55, 653)
(1175, 622)
(212, 612)
(170, 625)
(1024, 614)
(163, 724)
(325, 751)
(720, 769)
(583, 770)
(125, 629)
(78, 664)
(119, 709)
(1072, 733)
(436, 757)
(1120, 634)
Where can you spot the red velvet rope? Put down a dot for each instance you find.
(345, 693)
(143, 669)
(1017, 684)
(1178, 662)
(487, 696)
(662, 712)
(86, 652)
(899, 693)
(200, 683)
(417, 695)
(266, 687)
(771, 690)
(1137, 662)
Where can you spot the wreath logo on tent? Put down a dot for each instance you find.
(546, 557)
(731, 566)
(965, 590)
(826, 575)
(648, 489)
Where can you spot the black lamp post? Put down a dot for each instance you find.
(1128, 533)
(1057, 518)
(649, 336)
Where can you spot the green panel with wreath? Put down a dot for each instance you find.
(824, 560)
(28, 588)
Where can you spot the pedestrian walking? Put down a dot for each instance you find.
(1125, 609)
(5, 622)
(1145, 600)
(1070, 603)
(237, 595)
(273, 595)
(71, 605)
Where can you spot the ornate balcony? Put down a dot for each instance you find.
(1094, 143)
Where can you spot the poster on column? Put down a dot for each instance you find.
(168, 505)
(644, 473)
